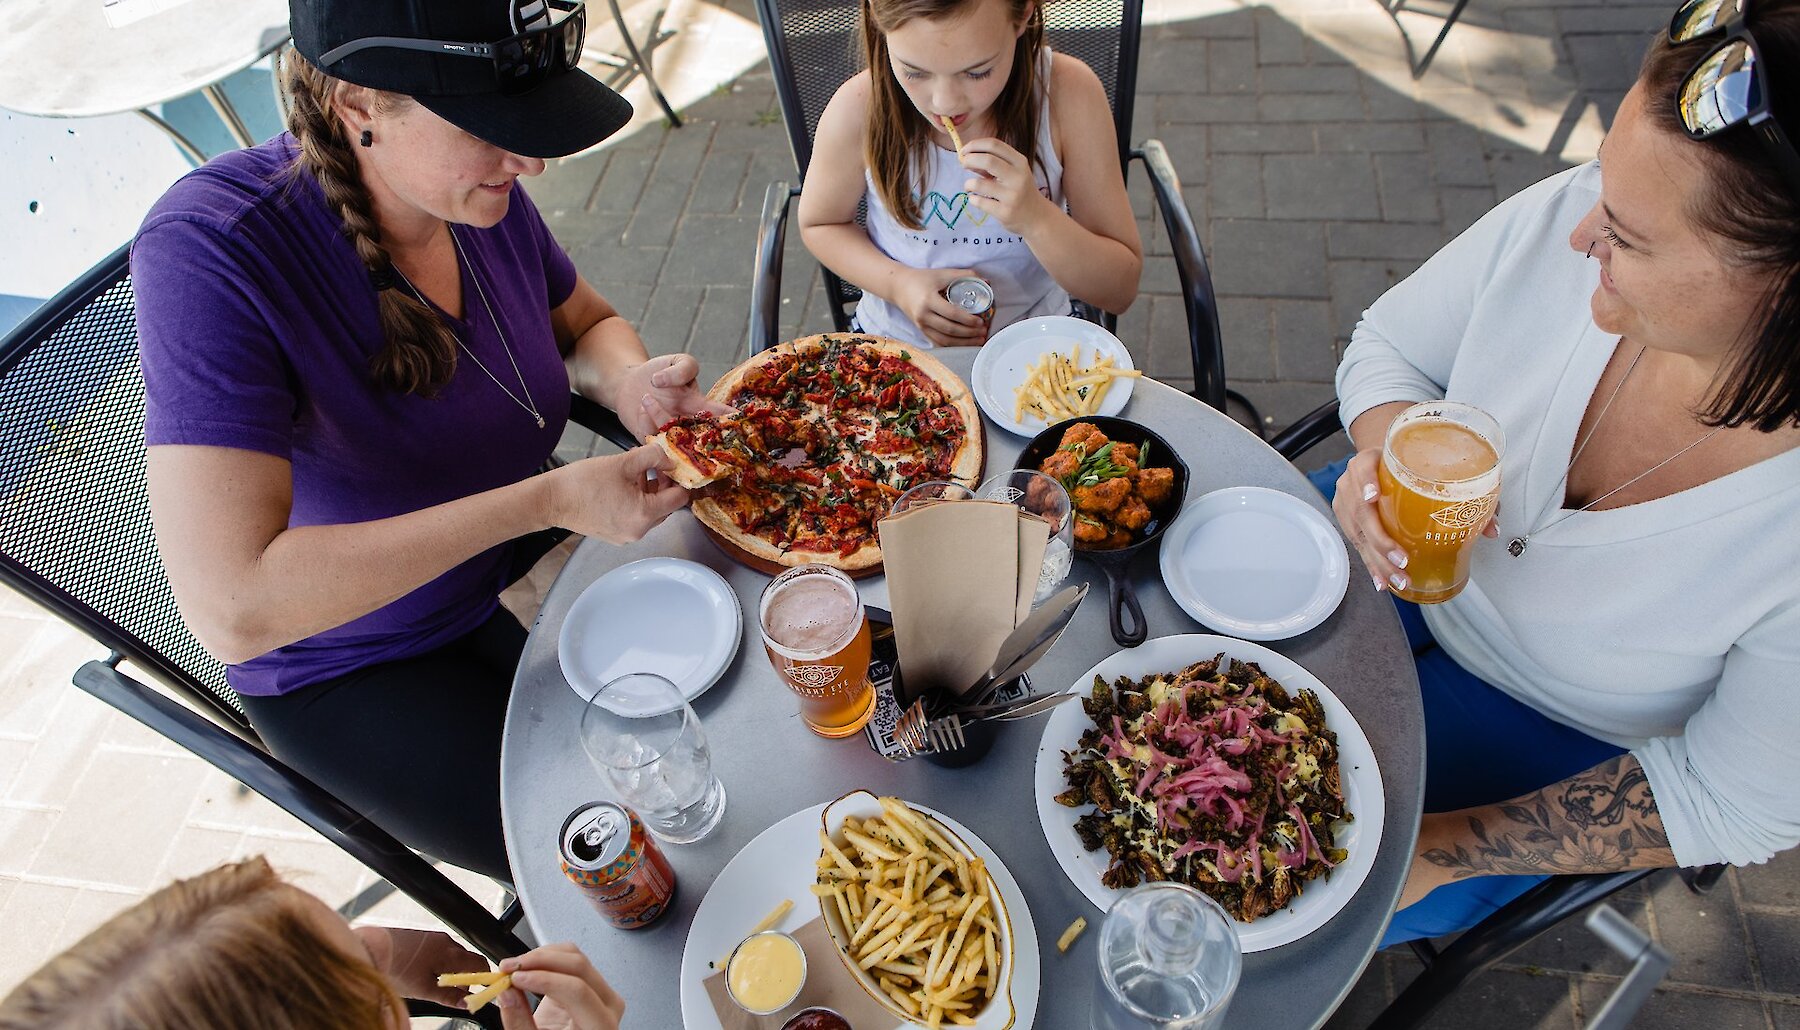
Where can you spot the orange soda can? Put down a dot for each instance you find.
(607, 853)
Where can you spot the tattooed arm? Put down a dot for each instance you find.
(1599, 821)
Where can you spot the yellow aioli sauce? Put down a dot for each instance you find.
(765, 972)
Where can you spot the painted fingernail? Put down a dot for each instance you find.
(1380, 587)
(1398, 557)
(1398, 580)
(1368, 491)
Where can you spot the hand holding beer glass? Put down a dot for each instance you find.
(817, 637)
(1439, 477)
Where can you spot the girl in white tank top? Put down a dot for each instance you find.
(958, 235)
(1037, 230)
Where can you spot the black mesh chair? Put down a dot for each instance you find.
(75, 537)
(814, 48)
(1520, 921)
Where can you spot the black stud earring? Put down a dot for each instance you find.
(368, 138)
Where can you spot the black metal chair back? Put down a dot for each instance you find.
(814, 47)
(75, 536)
(75, 530)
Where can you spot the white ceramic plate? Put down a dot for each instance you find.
(675, 618)
(1255, 563)
(1359, 775)
(778, 865)
(1001, 365)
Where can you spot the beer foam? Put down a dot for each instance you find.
(809, 615)
(1441, 458)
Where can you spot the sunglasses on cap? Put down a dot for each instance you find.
(548, 42)
(1728, 86)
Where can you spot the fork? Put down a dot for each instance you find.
(912, 729)
(946, 734)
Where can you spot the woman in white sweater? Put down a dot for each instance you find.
(1624, 690)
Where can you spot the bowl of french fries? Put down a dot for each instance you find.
(917, 918)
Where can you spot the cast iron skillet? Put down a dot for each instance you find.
(1115, 563)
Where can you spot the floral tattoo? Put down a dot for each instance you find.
(1602, 820)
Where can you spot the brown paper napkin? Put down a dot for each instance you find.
(828, 983)
(953, 586)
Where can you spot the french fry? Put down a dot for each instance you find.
(955, 137)
(469, 979)
(1067, 939)
(489, 993)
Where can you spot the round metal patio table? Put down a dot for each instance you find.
(773, 766)
(62, 59)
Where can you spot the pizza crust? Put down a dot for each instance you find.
(685, 473)
(716, 517)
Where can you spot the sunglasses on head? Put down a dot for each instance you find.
(549, 42)
(1728, 86)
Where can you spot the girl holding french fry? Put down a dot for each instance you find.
(968, 168)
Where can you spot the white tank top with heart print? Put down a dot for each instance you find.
(957, 235)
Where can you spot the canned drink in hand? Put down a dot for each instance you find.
(607, 853)
(974, 295)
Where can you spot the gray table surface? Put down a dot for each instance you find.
(772, 765)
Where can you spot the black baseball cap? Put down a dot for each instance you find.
(565, 112)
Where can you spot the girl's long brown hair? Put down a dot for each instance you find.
(227, 949)
(896, 138)
(419, 354)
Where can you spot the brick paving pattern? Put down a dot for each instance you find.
(1319, 173)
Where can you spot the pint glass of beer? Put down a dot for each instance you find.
(1440, 480)
(817, 637)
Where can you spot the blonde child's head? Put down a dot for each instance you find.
(976, 61)
(234, 947)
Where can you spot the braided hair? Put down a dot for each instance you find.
(419, 355)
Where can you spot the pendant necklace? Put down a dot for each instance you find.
(528, 404)
(1517, 547)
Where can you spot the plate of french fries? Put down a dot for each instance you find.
(770, 884)
(1040, 371)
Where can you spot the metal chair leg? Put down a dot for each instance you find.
(641, 58)
(1702, 879)
(185, 145)
(1424, 64)
(215, 95)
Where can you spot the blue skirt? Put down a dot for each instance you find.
(1482, 746)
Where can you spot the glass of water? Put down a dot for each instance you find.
(644, 738)
(1038, 494)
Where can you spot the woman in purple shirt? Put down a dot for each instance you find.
(358, 342)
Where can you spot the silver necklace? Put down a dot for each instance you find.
(528, 404)
(1519, 543)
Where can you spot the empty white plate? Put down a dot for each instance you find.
(1002, 363)
(675, 618)
(1256, 563)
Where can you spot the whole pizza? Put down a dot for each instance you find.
(828, 431)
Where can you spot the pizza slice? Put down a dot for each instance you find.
(707, 447)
